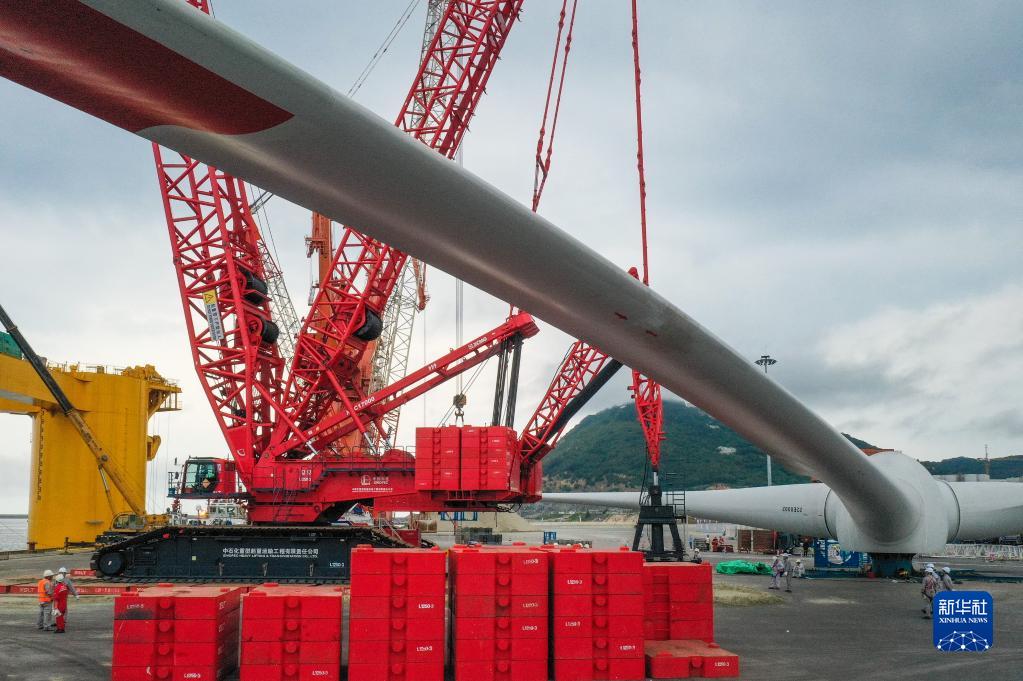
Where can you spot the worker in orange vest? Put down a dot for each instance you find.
(44, 589)
(60, 592)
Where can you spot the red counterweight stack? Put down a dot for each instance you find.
(678, 602)
(473, 465)
(499, 613)
(689, 659)
(291, 633)
(597, 623)
(469, 459)
(678, 623)
(438, 458)
(176, 633)
(490, 459)
(396, 615)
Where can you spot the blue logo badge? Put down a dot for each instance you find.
(964, 621)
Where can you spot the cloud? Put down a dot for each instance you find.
(943, 376)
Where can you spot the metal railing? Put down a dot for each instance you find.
(992, 552)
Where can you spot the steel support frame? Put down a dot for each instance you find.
(650, 410)
(213, 239)
(581, 364)
(375, 406)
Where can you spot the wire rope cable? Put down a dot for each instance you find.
(384, 46)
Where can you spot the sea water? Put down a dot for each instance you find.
(13, 532)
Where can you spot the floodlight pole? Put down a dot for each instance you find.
(766, 361)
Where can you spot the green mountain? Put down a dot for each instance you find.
(606, 452)
(1002, 467)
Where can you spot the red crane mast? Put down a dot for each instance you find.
(290, 429)
(345, 317)
(275, 419)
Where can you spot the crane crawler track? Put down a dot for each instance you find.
(238, 554)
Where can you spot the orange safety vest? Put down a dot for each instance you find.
(41, 590)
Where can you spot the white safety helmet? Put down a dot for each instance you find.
(62, 571)
(930, 566)
(929, 571)
(947, 569)
(48, 573)
(60, 577)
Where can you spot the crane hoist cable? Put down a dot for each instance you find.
(468, 386)
(646, 392)
(545, 140)
(544, 153)
(384, 46)
(506, 391)
(639, 140)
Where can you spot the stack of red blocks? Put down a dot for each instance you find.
(469, 458)
(396, 620)
(175, 633)
(499, 613)
(685, 659)
(291, 633)
(597, 624)
(678, 601)
(678, 623)
(438, 458)
(490, 459)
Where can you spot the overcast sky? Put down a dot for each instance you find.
(840, 186)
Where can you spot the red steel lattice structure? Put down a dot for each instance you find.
(580, 366)
(345, 316)
(268, 413)
(214, 240)
(272, 416)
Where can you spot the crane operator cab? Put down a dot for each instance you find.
(204, 478)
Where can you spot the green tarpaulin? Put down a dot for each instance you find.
(744, 567)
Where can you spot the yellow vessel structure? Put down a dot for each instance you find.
(67, 497)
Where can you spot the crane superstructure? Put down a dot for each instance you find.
(304, 435)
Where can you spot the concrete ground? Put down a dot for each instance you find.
(861, 629)
(827, 628)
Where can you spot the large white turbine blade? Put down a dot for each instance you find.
(800, 509)
(949, 511)
(173, 75)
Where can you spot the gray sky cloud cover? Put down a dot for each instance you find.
(839, 186)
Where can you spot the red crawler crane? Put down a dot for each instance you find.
(294, 432)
